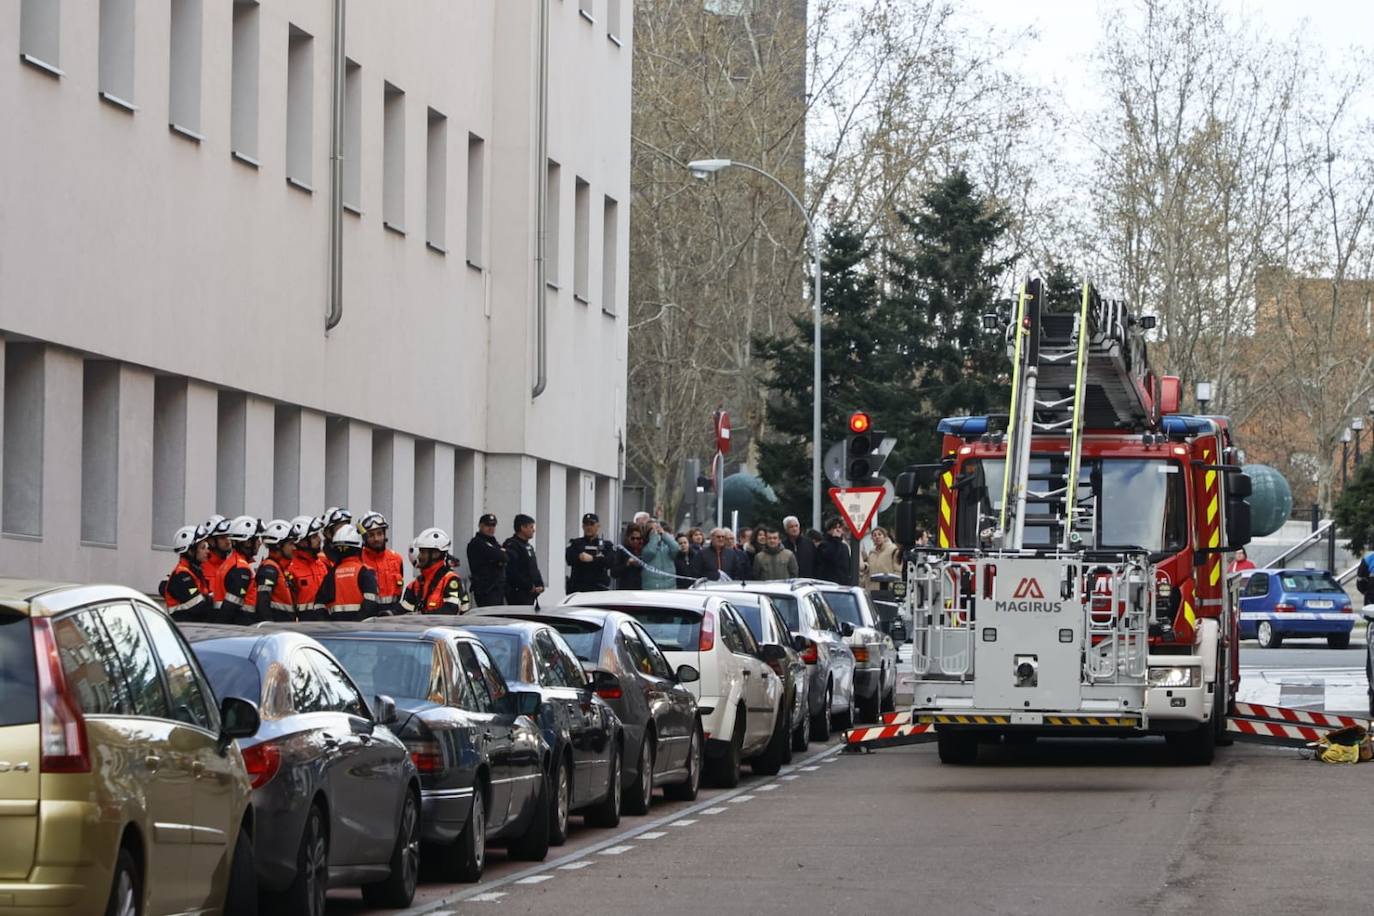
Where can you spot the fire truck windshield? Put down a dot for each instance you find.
(1135, 503)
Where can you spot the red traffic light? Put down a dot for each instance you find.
(859, 422)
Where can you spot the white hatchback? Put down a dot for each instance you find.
(738, 695)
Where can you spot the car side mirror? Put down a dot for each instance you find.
(799, 642)
(846, 628)
(526, 702)
(238, 718)
(604, 684)
(384, 710)
(772, 652)
(686, 674)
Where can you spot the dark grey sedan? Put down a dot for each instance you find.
(780, 650)
(335, 793)
(663, 737)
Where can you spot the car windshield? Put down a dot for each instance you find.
(230, 675)
(504, 649)
(1142, 503)
(18, 677)
(584, 638)
(1322, 582)
(386, 667)
(673, 630)
(846, 607)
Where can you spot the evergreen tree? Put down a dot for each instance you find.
(1354, 511)
(1063, 292)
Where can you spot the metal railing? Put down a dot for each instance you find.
(1326, 530)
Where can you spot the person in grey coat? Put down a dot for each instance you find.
(659, 554)
(774, 561)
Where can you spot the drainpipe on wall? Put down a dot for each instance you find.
(335, 310)
(541, 160)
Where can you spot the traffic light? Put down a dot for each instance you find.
(864, 454)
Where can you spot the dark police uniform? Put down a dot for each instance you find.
(593, 576)
(487, 561)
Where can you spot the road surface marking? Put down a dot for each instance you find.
(791, 776)
(488, 897)
(685, 822)
(653, 835)
(571, 866)
(535, 879)
(617, 850)
(741, 798)
(810, 769)
(768, 788)
(715, 810)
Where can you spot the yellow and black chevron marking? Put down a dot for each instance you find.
(1114, 721)
(964, 720)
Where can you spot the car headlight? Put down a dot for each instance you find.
(1182, 676)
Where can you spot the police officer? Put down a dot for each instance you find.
(487, 563)
(436, 588)
(276, 587)
(1364, 578)
(349, 591)
(305, 569)
(589, 558)
(234, 588)
(387, 564)
(187, 590)
(524, 582)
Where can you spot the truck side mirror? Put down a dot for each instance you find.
(1238, 520)
(904, 532)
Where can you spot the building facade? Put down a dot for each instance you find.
(181, 333)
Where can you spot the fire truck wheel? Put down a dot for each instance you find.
(1268, 639)
(1197, 747)
(957, 748)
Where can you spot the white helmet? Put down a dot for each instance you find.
(334, 514)
(276, 531)
(300, 527)
(432, 539)
(372, 521)
(244, 528)
(185, 538)
(217, 525)
(348, 536)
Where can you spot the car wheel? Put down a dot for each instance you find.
(688, 788)
(957, 748)
(533, 845)
(820, 722)
(306, 893)
(607, 811)
(1338, 641)
(398, 890)
(1268, 639)
(466, 858)
(786, 726)
(801, 735)
(725, 766)
(869, 709)
(561, 784)
(770, 761)
(640, 796)
(126, 890)
(890, 701)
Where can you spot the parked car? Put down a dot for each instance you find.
(825, 650)
(123, 789)
(335, 794)
(738, 695)
(875, 654)
(480, 757)
(586, 744)
(1278, 603)
(887, 594)
(664, 743)
(780, 652)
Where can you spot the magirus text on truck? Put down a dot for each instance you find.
(1076, 582)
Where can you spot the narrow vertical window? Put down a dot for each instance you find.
(286, 461)
(383, 471)
(24, 398)
(243, 88)
(582, 205)
(117, 52)
(394, 158)
(336, 451)
(610, 260)
(436, 181)
(231, 453)
(169, 458)
(184, 86)
(299, 96)
(552, 186)
(424, 485)
(39, 34)
(99, 451)
(476, 204)
(353, 137)
(613, 20)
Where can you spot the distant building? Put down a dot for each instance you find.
(166, 205)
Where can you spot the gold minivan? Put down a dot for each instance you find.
(121, 788)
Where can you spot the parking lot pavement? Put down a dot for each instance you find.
(1063, 827)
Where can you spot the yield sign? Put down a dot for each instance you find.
(858, 505)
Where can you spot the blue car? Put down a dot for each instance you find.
(1278, 603)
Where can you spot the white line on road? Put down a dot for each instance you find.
(653, 835)
(616, 850)
(571, 866)
(535, 879)
(715, 810)
(791, 776)
(810, 769)
(768, 788)
(741, 798)
(488, 897)
(685, 822)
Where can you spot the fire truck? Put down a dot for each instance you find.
(1076, 584)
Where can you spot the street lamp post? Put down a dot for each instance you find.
(1357, 425)
(703, 169)
(1345, 454)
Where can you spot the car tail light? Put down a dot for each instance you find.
(62, 728)
(1347, 609)
(809, 654)
(861, 654)
(610, 693)
(427, 755)
(1284, 608)
(708, 634)
(262, 762)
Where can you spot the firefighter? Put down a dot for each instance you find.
(436, 589)
(275, 584)
(334, 520)
(235, 591)
(487, 563)
(218, 528)
(349, 592)
(306, 571)
(386, 563)
(187, 591)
